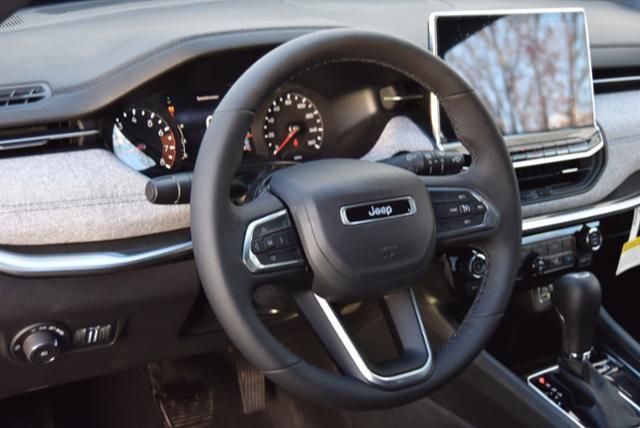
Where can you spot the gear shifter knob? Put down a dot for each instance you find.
(577, 297)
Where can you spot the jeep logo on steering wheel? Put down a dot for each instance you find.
(377, 210)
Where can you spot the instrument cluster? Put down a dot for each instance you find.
(339, 110)
(162, 133)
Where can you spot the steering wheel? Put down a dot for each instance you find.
(360, 230)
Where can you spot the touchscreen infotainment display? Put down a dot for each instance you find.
(531, 69)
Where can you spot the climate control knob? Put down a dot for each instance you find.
(41, 347)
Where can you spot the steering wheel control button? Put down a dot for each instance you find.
(468, 221)
(271, 226)
(460, 210)
(456, 196)
(286, 256)
(478, 207)
(453, 210)
(258, 247)
(271, 243)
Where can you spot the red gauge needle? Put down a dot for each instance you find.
(293, 132)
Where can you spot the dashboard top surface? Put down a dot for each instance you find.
(130, 64)
(125, 46)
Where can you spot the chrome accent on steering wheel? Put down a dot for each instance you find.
(395, 381)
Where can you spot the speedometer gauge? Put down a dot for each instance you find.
(143, 140)
(293, 127)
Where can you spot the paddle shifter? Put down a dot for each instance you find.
(577, 298)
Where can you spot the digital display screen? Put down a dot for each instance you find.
(193, 110)
(532, 70)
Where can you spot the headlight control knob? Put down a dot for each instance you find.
(41, 347)
(40, 343)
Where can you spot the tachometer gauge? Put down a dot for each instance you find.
(293, 128)
(143, 140)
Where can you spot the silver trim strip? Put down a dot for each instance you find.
(47, 265)
(32, 265)
(600, 210)
(346, 221)
(622, 79)
(41, 139)
(370, 376)
(432, 46)
(403, 97)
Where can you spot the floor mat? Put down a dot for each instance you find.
(129, 400)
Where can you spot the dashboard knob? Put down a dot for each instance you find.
(537, 264)
(476, 266)
(590, 238)
(472, 265)
(41, 347)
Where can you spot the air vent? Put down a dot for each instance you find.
(25, 94)
(616, 79)
(63, 133)
(559, 179)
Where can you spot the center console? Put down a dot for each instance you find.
(549, 384)
(591, 388)
(534, 74)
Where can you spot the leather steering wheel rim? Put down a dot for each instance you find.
(217, 232)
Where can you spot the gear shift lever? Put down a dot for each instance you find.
(577, 298)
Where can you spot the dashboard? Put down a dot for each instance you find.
(81, 244)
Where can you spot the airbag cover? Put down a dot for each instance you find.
(366, 228)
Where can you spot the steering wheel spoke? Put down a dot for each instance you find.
(414, 362)
(463, 213)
